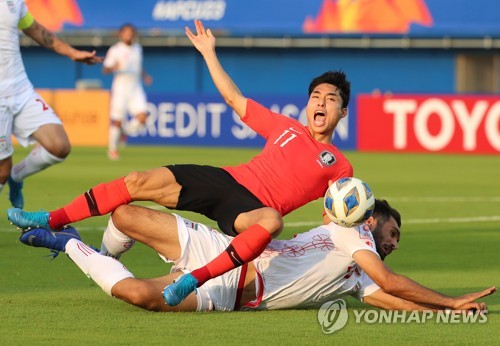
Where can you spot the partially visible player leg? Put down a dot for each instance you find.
(144, 293)
(5, 167)
(54, 147)
(6, 148)
(159, 231)
(36, 121)
(157, 185)
(118, 113)
(108, 273)
(138, 107)
(136, 124)
(115, 134)
(105, 271)
(244, 248)
(154, 228)
(115, 280)
(115, 243)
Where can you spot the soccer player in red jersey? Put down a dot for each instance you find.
(248, 200)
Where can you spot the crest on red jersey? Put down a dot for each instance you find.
(327, 158)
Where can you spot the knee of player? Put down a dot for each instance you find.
(135, 181)
(3, 178)
(61, 149)
(121, 214)
(64, 151)
(272, 221)
(5, 168)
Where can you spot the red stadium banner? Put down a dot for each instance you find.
(429, 123)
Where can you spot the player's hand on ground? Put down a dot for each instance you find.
(473, 307)
(203, 40)
(468, 301)
(85, 57)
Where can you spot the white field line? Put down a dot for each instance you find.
(418, 221)
(443, 199)
(316, 223)
(403, 199)
(432, 199)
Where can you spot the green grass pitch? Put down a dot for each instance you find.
(450, 241)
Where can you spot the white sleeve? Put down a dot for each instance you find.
(24, 10)
(355, 239)
(110, 59)
(367, 287)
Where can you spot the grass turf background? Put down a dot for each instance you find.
(450, 241)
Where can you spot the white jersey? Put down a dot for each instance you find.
(314, 267)
(304, 272)
(13, 78)
(129, 60)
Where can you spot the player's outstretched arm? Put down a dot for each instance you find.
(383, 300)
(405, 288)
(49, 40)
(204, 42)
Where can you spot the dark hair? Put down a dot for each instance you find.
(383, 211)
(127, 25)
(336, 78)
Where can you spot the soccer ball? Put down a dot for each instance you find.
(349, 202)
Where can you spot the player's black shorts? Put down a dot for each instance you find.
(213, 192)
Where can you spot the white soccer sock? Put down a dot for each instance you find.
(115, 133)
(114, 242)
(105, 271)
(38, 159)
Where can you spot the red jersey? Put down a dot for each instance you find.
(293, 168)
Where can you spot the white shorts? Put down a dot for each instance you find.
(127, 99)
(199, 245)
(21, 115)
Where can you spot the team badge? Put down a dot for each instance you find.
(327, 158)
(3, 143)
(190, 224)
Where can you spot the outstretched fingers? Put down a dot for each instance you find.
(88, 58)
(200, 29)
(203, 39)
(468, 301)
(484, 293)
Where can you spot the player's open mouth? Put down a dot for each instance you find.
(388, 250)
(319, 118)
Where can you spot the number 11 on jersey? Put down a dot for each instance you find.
(284, 138)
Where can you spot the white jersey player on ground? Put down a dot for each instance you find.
(304, 272)
(124, 59)
(23, 112)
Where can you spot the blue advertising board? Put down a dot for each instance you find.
(207, 121)
(424, 18)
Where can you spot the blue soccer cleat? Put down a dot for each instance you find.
(24, 219)
(40, 237)
(177, 291)
(16, 193)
